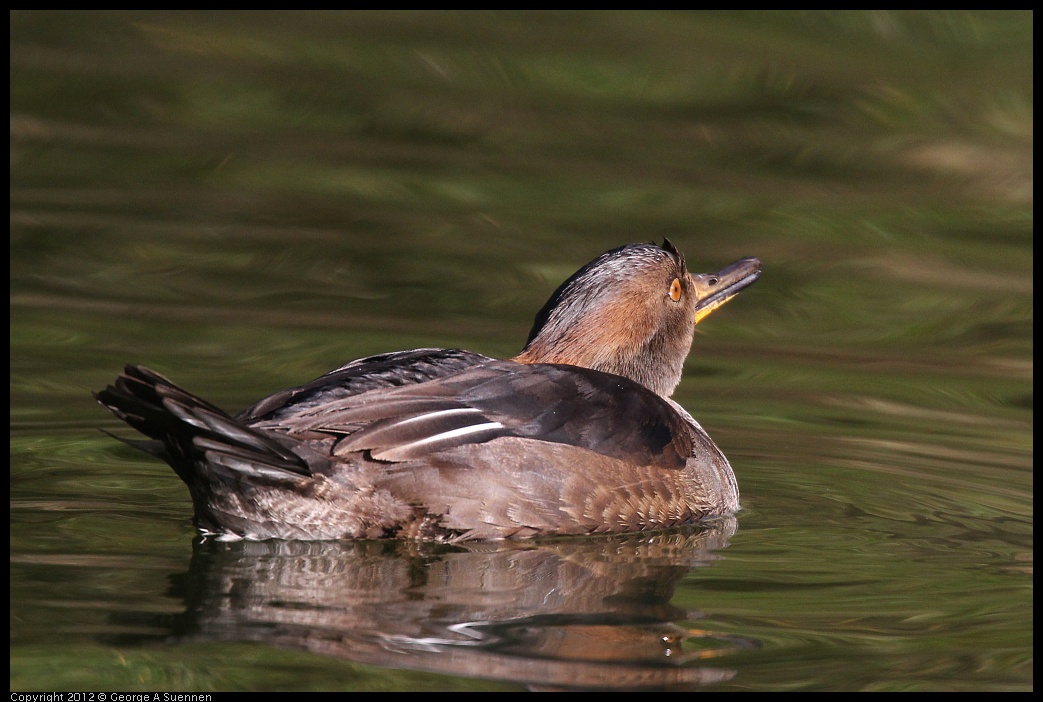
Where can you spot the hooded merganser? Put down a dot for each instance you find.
(576, 434)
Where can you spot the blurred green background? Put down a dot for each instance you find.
(245, 200)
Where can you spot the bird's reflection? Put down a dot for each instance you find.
(576, 613)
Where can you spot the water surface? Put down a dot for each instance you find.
(243, 201)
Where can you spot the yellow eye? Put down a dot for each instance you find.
(675, 290)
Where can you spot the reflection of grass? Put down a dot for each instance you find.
(711, 103)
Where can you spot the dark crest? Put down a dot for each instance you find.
(672, 250)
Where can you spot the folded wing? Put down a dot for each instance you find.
(604, 413)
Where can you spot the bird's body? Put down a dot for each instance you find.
(575, 435)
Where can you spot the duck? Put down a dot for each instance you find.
(575, 435)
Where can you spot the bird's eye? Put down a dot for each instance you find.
(675, 290)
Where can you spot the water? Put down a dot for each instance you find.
(244, 201)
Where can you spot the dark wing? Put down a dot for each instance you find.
(386, 370)
(187, 430)
(193, 435)
(604, 413)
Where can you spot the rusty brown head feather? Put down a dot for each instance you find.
(632, 312)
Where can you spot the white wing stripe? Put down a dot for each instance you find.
(452, 434)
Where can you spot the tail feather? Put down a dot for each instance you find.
(150, 446)
(187, 431)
